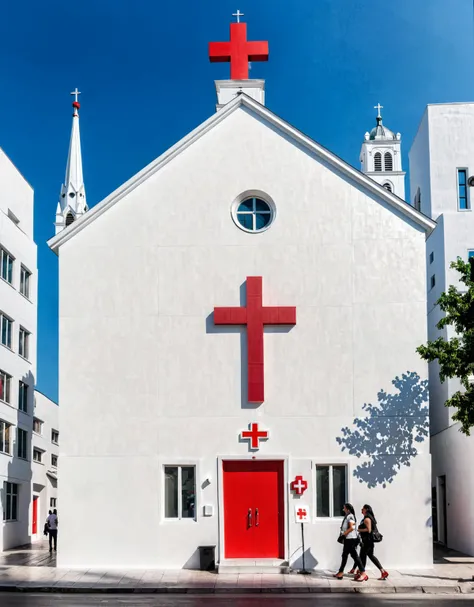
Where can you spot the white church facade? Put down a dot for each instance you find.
(240, 321)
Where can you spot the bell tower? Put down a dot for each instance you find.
(381, 157)
(72, 199)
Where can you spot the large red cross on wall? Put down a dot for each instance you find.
(239, 51)
(255, 316)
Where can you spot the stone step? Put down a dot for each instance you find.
(271, 566)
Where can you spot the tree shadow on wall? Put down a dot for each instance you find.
(388, 435)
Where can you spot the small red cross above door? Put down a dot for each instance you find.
(299, 485)
(254, 436)
(239, 51)
(255, 315)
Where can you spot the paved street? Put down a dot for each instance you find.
(41, 600)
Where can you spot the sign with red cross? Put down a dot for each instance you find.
(255, 315)
(302, 514)
(254, 436)
(299, 485)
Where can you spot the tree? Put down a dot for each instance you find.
(456, 355)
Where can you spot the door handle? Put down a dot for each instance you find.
(256, 517)
(249, 517)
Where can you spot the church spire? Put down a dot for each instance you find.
(72, 201)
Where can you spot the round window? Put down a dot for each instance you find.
(253, 214)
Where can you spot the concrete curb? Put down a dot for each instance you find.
(91, 589)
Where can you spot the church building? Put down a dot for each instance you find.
(238, 325)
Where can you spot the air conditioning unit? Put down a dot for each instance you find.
(470, 181)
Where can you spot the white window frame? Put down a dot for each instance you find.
(7, 380)
(246, 196)
(25, 276)
(37, 419)
(180, 466)
(9, 495)
(53, 431)
(4, 253)
(53, 502)
(41, 452)
(53, 455)
(18, 430)
(331, 463)
(3, 431)
(3, 318)
(24, 343)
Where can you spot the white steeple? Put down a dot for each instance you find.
(381, 157)
(72, 201)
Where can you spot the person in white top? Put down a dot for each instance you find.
(350, 541)
(52, 524)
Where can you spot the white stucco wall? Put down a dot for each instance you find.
(16, 197)
(443, 144)
(140, 355)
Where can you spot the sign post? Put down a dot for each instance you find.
(302, 517)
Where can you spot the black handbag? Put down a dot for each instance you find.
(377, 536)
(341, 537)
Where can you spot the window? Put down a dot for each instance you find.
(433, 281)
(38, 455)
(23, 397)
(11, 501)
(22, 443)
(5, 381)
(6, 328)
(5, 445)
(470, 254)
(463, 201)
(55, 437)
(388, 161)
(23, 343)
(37, 426)
(431, 257)
(54, 460)
(13, 217)
(180, 492)
(388, 186)
(25, 282)
(53, 502)
(377, 161)
(69, 219)
(331, 490)
(253, 214)
(417, 200)
(6, 266)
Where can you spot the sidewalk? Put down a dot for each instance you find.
(33, 569)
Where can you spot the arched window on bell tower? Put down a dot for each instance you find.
(377, 161)
(69, 219)
(388, 161)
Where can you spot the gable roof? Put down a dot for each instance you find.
(242, 100)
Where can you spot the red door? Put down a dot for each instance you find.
(253, 509)
(35, 515)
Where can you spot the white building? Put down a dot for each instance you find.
(441, 163)
(381, 157)
(199, 440)
(18, 317)
(45, 453)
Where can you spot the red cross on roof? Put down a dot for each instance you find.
(239, 51)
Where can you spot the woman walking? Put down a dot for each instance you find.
(366, 529)
(350, 542)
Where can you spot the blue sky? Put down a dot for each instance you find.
(146, 81)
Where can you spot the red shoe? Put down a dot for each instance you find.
(363, 577)
(384, 575)
(352, 571)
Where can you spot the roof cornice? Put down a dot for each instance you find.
(241, 100)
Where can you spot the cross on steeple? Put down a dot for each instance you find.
(378, 107)
(76, 94)
(238, 14)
